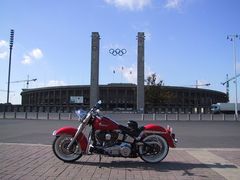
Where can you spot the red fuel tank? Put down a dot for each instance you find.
(104, 124)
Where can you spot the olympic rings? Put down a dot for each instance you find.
(117, 51)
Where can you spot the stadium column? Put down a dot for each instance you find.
(94, 86)
(140, 72)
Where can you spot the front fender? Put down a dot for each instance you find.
(82, 140)
(166, 134)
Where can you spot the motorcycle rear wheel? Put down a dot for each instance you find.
(155, 150)
(60, 145)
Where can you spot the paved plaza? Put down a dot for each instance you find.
(29, 161)
(206, 150)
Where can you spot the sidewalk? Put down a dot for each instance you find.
(27, 161)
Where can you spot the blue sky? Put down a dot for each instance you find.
(185, 41)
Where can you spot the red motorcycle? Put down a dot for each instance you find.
(106, 137)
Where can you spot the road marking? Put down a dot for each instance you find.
(217, 164)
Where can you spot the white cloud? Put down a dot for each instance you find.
(36, 53)
(130, 73)
(50, 83)
(32, 55)
(56, 83)
(3, 43)
(3, 49)
(129, 4)
(173, 4)
(26, 59)
(3, 55)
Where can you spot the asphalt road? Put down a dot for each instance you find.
(191, 134)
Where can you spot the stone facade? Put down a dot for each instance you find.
(140, 72)
(94, 88)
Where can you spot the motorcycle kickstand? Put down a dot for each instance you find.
(100, 159)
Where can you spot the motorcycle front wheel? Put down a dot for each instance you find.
(60, 149)
(154, 150)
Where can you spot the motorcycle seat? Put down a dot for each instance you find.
(130, 131)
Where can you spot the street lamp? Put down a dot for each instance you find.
(233, 39)
(10, 58)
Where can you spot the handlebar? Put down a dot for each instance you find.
(98, 104)
(93, 111)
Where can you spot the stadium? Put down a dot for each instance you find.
(121, 97)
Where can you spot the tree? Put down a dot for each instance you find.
(156, 94)
(151, 80)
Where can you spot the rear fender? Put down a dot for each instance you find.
(155, 129)
(82, 140)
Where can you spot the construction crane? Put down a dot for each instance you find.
(26, 80)
(227, 82)
(197, 85)
(2, 90)
(227, 85)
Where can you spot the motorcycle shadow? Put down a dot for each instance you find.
(164, 166)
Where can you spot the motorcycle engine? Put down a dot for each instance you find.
(124, 149)
(112, 145)
(107, 138)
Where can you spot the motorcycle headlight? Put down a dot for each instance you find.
(81, 114)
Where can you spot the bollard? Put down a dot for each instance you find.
(154, 117)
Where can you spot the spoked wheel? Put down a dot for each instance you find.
(60, 145)
(154, 150)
